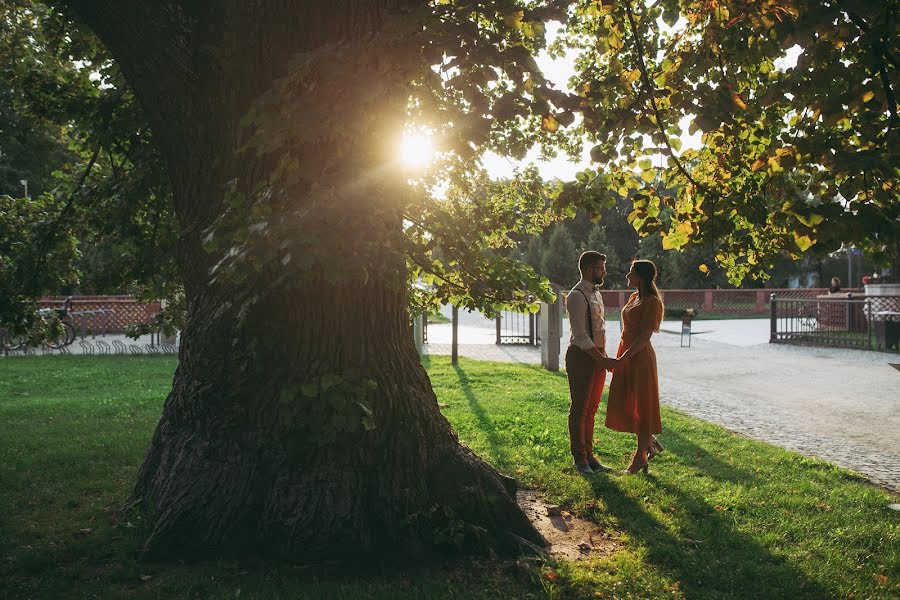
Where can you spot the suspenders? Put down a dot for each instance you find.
(590, 320)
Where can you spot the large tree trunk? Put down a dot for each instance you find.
(300, 422)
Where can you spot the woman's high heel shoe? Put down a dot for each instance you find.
(634, 467)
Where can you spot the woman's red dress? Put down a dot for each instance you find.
(633, 403)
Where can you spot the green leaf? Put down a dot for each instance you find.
(670, 16)
(812, 220)
(803, 242)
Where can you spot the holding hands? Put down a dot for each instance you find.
(603, 360)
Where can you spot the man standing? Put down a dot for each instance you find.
(586, 359)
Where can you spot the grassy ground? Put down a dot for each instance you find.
(720, 516)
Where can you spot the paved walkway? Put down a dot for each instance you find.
(839, 405)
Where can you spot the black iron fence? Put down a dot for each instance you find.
(866, 323)
(517, 328)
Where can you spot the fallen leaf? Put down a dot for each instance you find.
(551, 576)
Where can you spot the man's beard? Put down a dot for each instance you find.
(598, 280)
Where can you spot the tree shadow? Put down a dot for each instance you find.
(705, 552)
(486, 425)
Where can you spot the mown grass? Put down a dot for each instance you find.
(720, 516)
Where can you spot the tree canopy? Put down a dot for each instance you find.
(792, 159)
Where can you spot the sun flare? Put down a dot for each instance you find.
(416, 149)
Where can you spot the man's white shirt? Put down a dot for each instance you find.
(578, 327)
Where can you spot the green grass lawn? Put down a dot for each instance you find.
(720, 516)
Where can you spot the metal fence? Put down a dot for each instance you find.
(517, 328)
(867, 323)
(723, 302)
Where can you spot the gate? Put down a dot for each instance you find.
(517, 328)
(863, 323)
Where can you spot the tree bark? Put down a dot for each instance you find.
(300, 424)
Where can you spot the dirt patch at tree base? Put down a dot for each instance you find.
(570, 537)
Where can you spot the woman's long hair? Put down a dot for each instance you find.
(646, 270)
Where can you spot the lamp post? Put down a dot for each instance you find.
(24, 182)
(849, 266)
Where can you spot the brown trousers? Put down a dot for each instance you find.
(585, 389)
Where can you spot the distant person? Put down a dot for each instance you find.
(835, 285)
(633, 403)
(586, 360)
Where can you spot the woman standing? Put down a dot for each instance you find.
(633, 404)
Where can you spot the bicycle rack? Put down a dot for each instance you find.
(101, 319)
(151, 349)
(135, 350)
(168, 349)
(103, 347)
(81, 318)
(86, 347)
(120, 347)
(108, 318)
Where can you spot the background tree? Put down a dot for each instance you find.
(533, 252)
(615, 267)
(559, 261)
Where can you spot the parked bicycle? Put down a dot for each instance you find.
(58, 339)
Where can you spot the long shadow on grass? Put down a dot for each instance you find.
(485, 424)
(544, 372)
(707, 555)
(703, 459)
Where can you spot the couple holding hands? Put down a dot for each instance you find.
(633, 404)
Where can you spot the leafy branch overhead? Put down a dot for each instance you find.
(791, 158)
